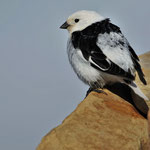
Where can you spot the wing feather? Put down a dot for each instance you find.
(86, 41)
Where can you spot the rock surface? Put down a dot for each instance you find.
(145, 62)
(102, 122)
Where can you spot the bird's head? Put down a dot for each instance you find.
(80, 20)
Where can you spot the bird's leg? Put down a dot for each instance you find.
(95, 90)
(88, 91)
(99, 91)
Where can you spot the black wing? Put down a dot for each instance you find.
(86, 41)
(137, 66)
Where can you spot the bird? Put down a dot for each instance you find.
(102, 57)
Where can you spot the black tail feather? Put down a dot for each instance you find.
(125, 92)
(140, 72)
(141, 76)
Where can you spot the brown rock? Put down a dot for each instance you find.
(145, 59)
(145, 62)
(101, 122)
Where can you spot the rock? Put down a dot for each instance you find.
(102, 122)
(145, 62)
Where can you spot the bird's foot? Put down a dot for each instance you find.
(99, 91)
(95, 90)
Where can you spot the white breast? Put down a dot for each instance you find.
(81, 66)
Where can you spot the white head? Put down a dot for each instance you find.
(80, 20)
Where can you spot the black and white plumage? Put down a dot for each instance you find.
(100, 54)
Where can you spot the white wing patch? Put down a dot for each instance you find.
(98, 65)
(116, 52)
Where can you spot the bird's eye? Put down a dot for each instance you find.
(76, 20)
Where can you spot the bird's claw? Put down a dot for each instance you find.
(95, 90)
(99, 91)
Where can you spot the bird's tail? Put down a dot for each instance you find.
(132, 94)
(137, 90)
(138, 98)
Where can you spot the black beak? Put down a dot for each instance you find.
(64, 26)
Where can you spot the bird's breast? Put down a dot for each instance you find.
(81, 66)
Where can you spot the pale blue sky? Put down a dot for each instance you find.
(38, 88)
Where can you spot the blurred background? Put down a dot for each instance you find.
(38, 87)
